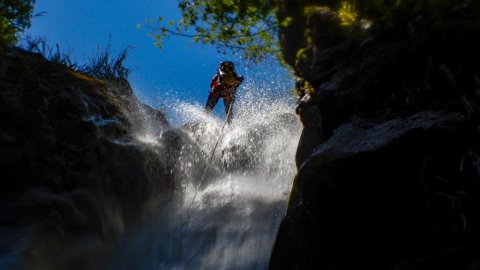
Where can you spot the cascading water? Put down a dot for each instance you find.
(228, 221)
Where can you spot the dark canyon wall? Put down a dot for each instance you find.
(73, 172)
(388, 161)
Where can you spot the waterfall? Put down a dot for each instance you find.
(230, 219)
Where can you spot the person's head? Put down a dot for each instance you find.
(226, 67)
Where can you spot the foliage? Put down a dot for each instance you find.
(15, 17)
(248, 27)
(105, 67)
(101, 66)
(40, 45)
(347, 13)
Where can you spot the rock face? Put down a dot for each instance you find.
(73, 174)
(388, 172)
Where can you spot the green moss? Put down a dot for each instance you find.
(301, 55)
(309, 89)
(88, 78)
(287, 22)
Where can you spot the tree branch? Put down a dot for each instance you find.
(182, 34)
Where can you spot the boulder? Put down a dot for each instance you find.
(363, 197)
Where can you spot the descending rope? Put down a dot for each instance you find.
(209, 162)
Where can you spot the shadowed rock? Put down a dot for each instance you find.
(73, 173)
(388, 172)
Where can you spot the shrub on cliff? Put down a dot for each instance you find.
(102, 65)
(40, 45)
(15, 17)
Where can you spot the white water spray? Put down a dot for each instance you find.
(235, 215)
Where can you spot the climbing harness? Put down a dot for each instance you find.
(209, 162)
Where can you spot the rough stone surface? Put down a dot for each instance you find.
(388, 159)
(73, 172)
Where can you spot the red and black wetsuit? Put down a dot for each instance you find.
(220, 87)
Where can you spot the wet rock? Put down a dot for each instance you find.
(142, 116)
(183, 156)
(312, 129)
(72, 169)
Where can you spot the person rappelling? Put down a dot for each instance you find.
(224, 85)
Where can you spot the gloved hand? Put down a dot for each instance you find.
(240, 80)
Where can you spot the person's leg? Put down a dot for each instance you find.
(228, 102)
(211, 102)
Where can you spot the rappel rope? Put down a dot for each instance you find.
(209, 162)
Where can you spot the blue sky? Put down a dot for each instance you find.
(182, 70)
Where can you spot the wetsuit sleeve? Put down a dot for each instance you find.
(214, 83)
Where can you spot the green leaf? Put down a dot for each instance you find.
(287, 22)
(15, 17)
(230, 25)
